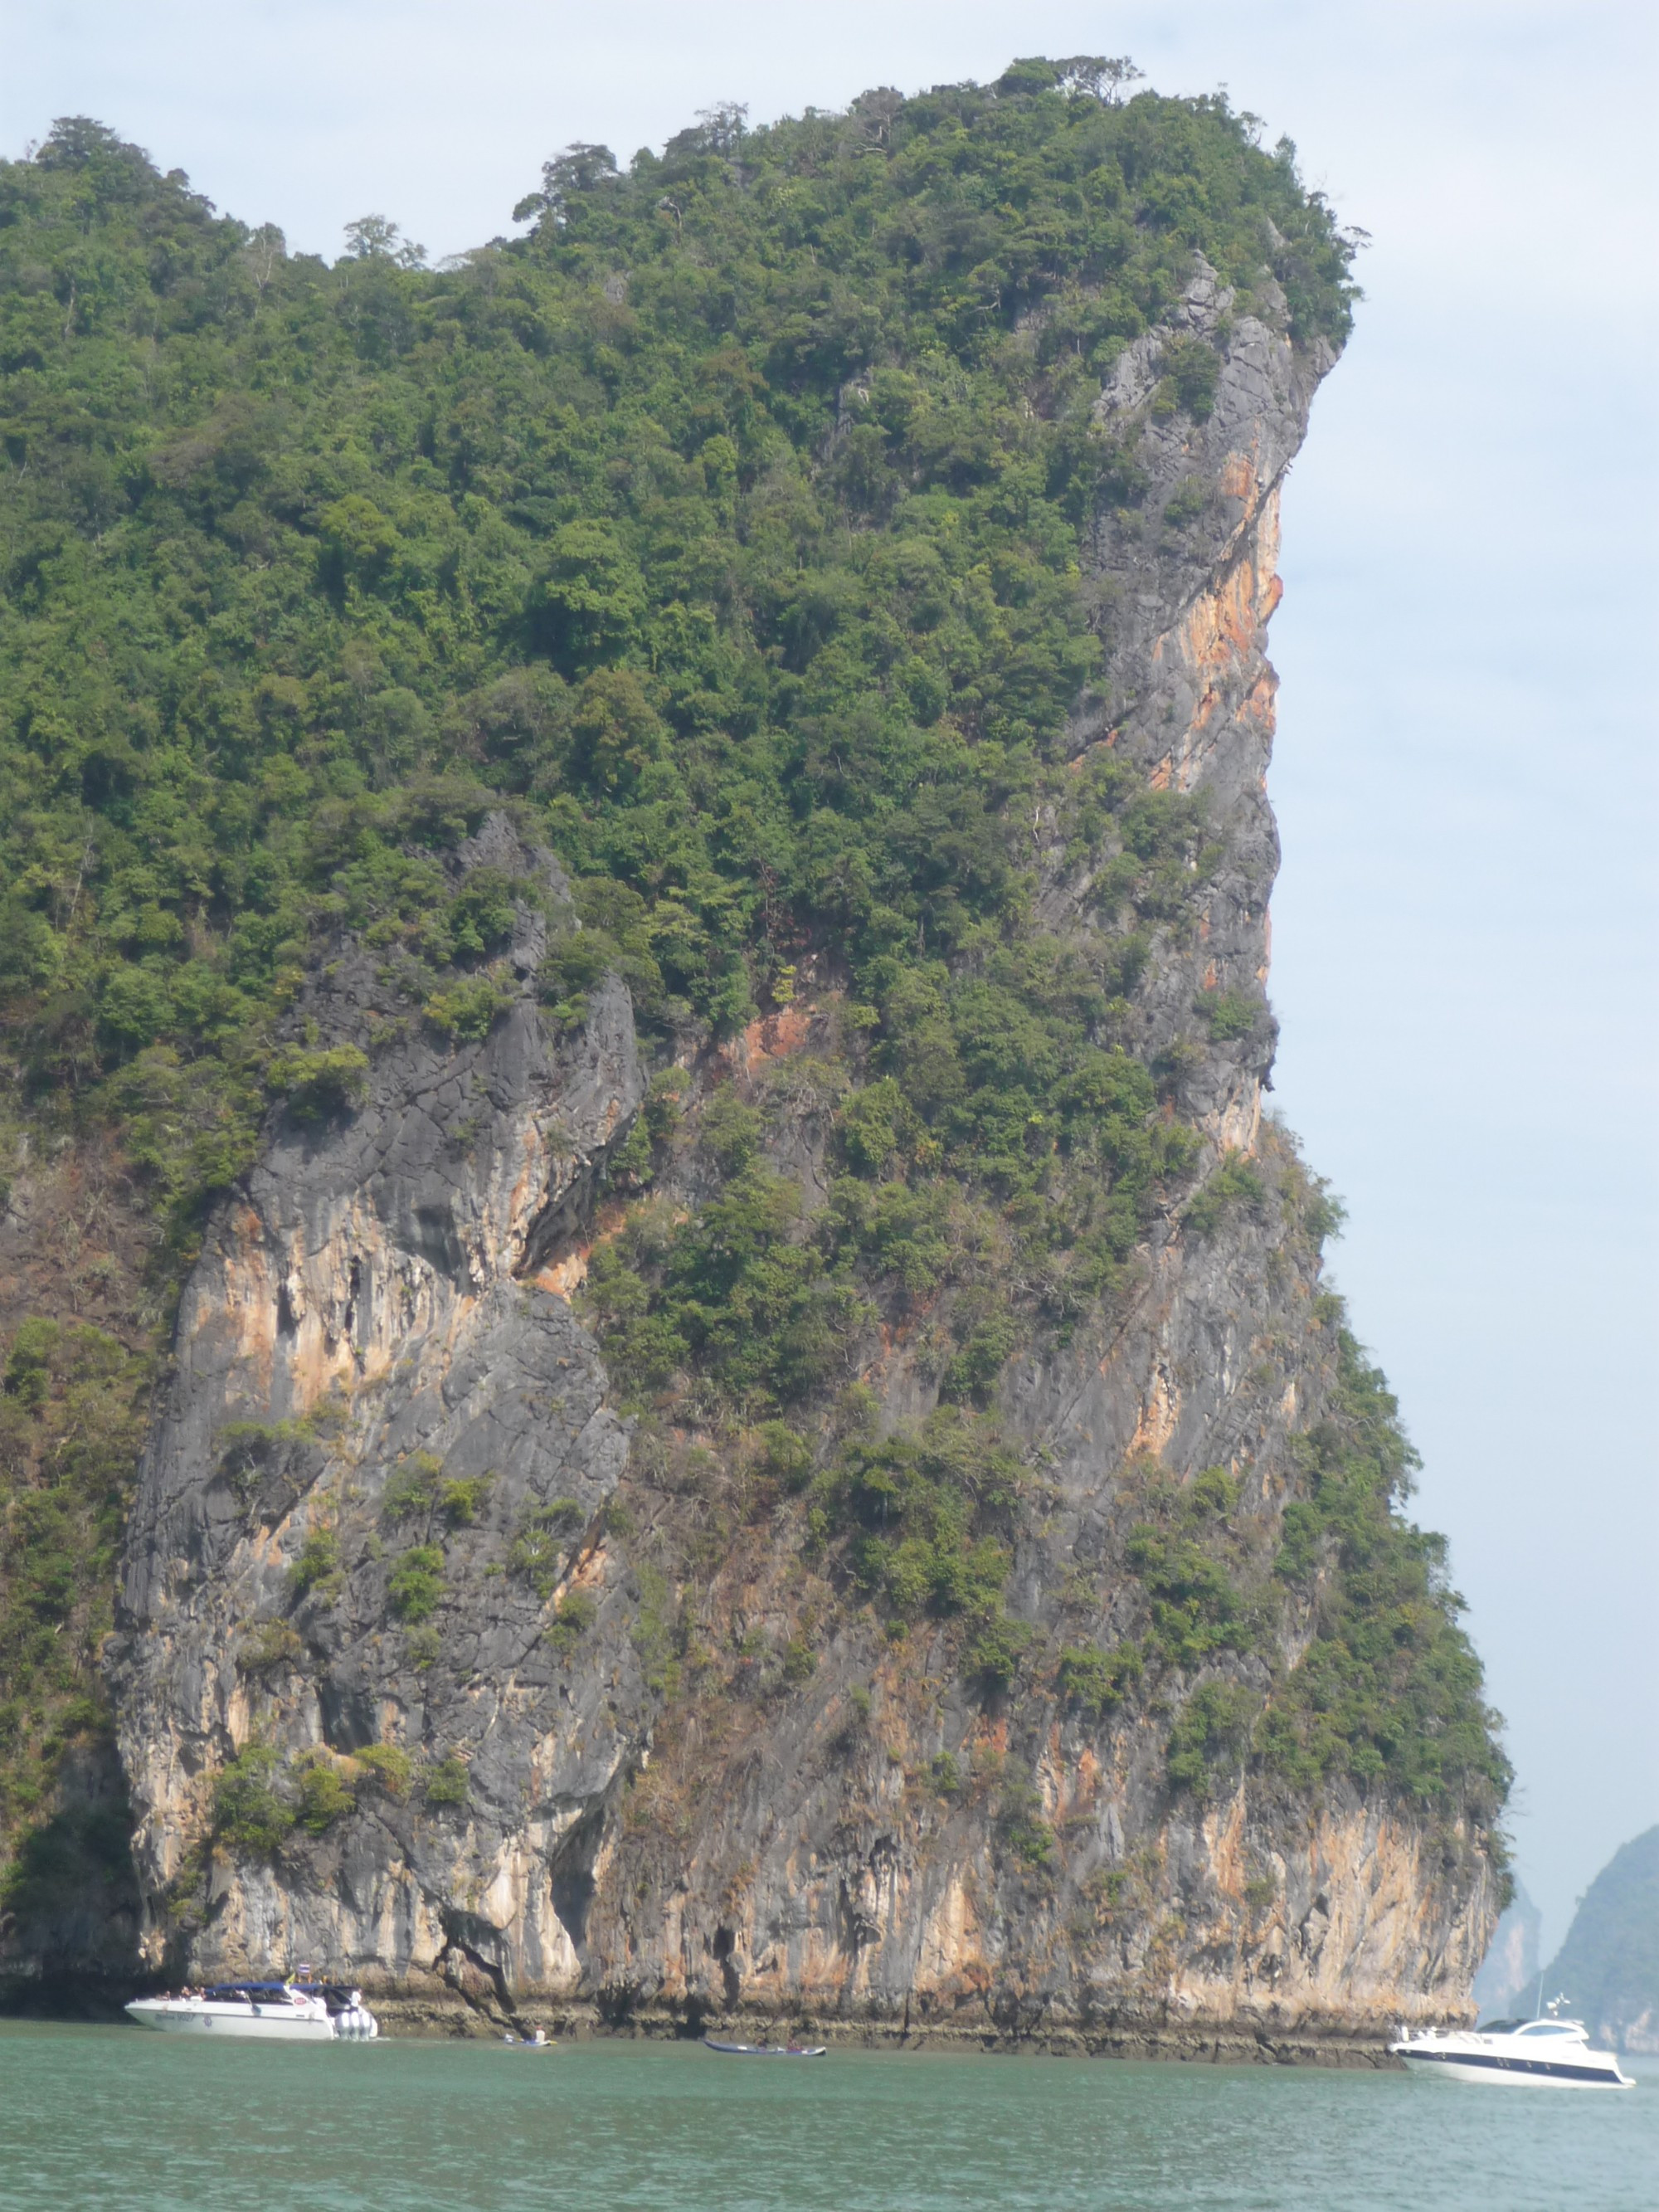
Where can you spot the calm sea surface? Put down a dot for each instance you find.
(136, 2122)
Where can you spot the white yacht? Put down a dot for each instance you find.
(280, 2012)
(1545, 2052)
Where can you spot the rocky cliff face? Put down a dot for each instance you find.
(360, 1325)
(580, 1727)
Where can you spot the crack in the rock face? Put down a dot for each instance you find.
(566, 1213)
(571, 1874)
(465, 1985)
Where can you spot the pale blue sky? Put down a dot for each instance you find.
(1465, 929)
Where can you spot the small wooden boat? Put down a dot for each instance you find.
(763, 2050)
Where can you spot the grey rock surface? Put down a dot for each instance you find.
(359, 1328)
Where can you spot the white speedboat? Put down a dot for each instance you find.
(1548, 2053)
(280, 2012)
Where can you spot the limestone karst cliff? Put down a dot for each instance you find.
(752, 1425)
(626, 1841)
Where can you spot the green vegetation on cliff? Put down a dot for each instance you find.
(731, 529)
(729, 521)
(72, 1409)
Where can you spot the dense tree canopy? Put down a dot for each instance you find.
(728, 520)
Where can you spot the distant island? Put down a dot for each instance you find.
(1508, 1980)
(1608, 1967)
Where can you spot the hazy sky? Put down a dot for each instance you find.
(1465, 929)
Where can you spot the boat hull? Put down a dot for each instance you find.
(225, 2023)
(1514, 2073)
(763, 2050)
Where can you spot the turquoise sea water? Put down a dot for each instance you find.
(126, 2120)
